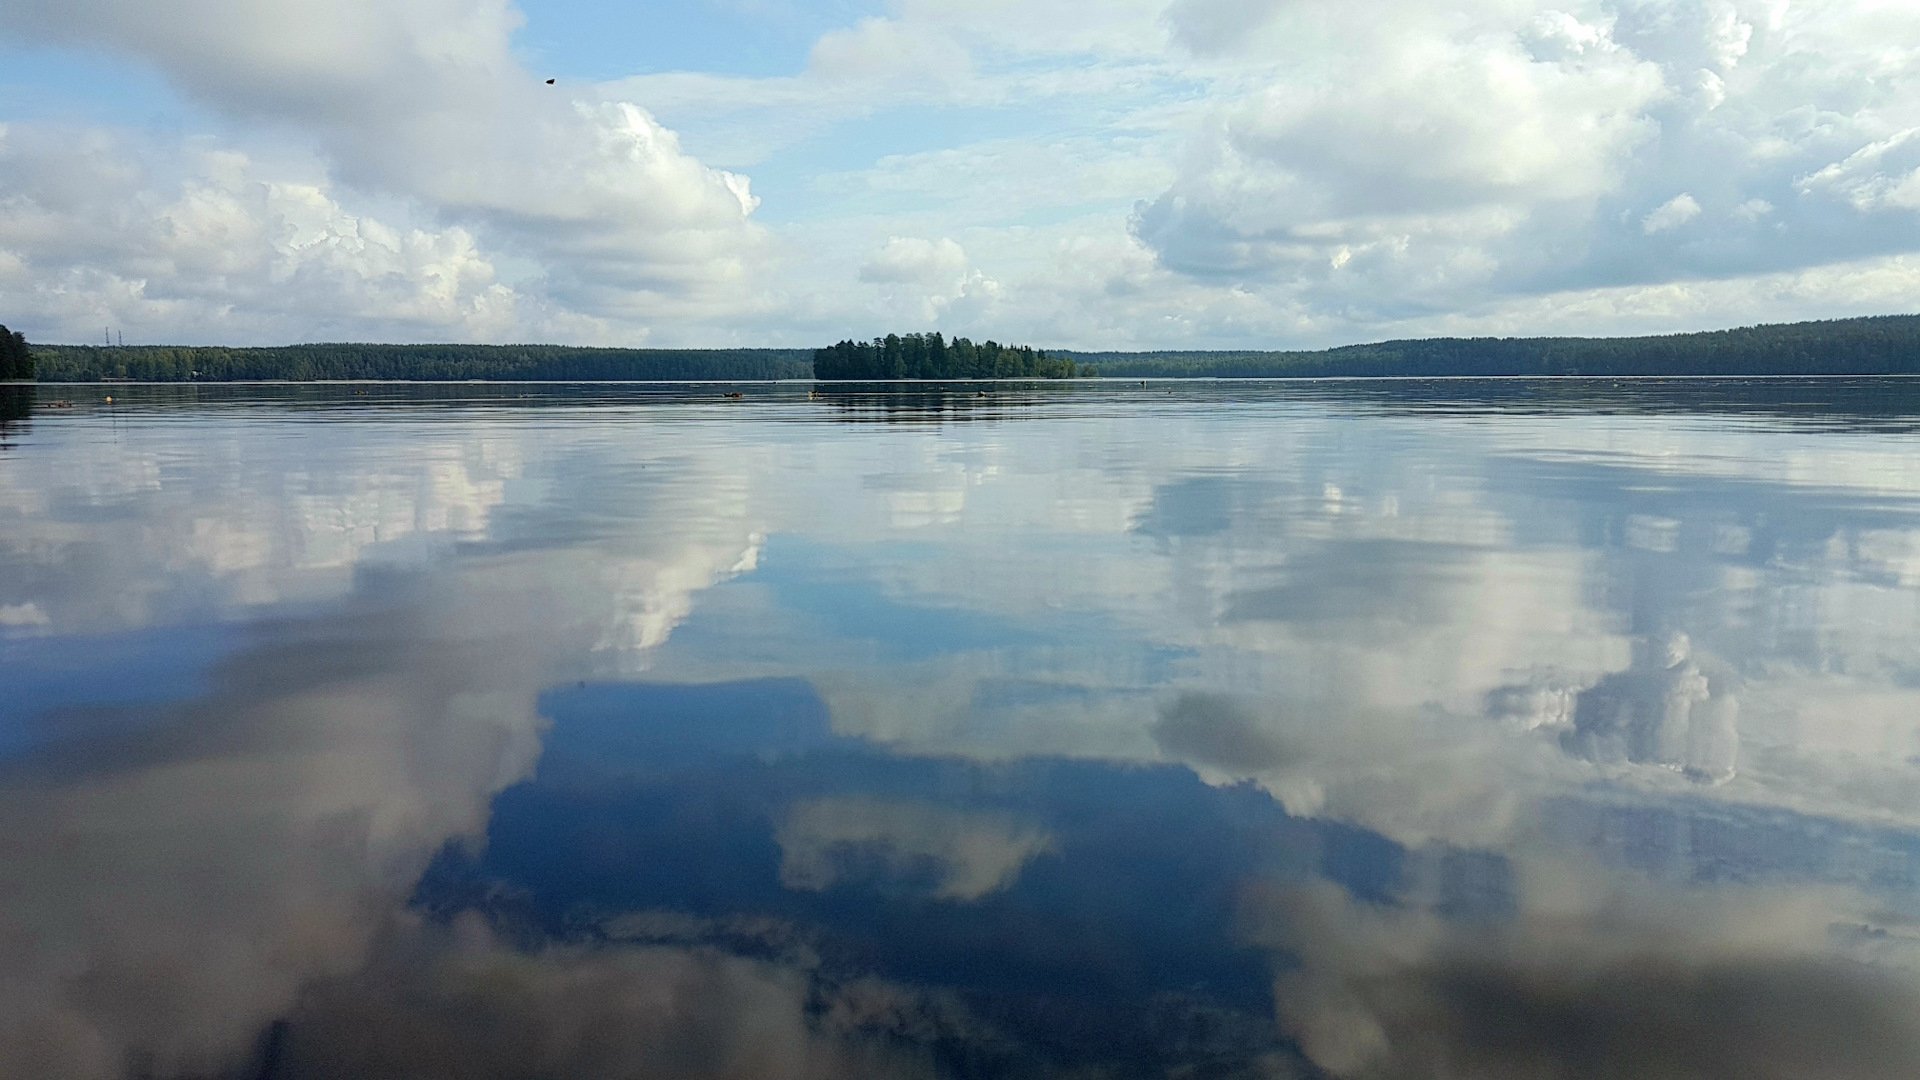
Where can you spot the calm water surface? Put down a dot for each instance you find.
(1370, 730)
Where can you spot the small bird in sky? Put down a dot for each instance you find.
(549, 82)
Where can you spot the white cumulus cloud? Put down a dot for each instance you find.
(1671, 214)
(911, 260)
(425, 102)
(1142, 173)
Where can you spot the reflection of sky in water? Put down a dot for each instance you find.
(1427, 730)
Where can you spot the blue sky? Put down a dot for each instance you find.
(598, 39)
(1134, 174)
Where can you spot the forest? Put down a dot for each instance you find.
(931, 356)
(506, 363)
(16, 358)
(1881, 345)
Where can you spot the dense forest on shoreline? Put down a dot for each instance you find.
(1880, 345)
(931, 356)
(16, 357)
(504, 363)
(1883, 345)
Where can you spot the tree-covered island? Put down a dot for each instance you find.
(931, 356)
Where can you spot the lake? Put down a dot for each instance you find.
(1399, 729)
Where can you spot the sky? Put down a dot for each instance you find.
(1132, 174)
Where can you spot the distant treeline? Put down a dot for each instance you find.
(519, 363)
(930, 356)
(1884, 345)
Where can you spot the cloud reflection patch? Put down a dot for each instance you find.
(1374, 993)
(947, 854)
(460, 1004)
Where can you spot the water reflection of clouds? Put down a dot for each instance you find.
(183, 874)
(1744, 988)
(473, 1007)
(1401, 596)
(1384, 960)
(176, 876)
(1382, 686)
(1601, 576)
(944, 853)
(1029, 916)
(199, 833)
(178, 520)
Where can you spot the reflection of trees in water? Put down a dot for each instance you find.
(1878, 403)
(427, 395)
(902, 402)
(1884, 404)
(16, 409)
(920, 403)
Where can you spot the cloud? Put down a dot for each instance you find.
(426, 103)
(1213, 730)
(185, 871)
(1466, 136)
(181, 242)
(1356, 610)
(1510, 152)
(18, 616)
(1194, 173)
(929, 280)
(1217, 26)
(889, 54)
(975, 187)
(1884, 174)
(1663, 711)
(1227, 741)
(1511, 158)
(653, 594)
(182, 871)
(344, 693)
(1364, 624)
(1376, 993)
(472, 1007)
(111, 548)
(1670, 215)
(894, 844)
(1044, 27)
(1559, 35)
(911, 260)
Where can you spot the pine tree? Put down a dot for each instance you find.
(16, 360)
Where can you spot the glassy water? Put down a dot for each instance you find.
(1376, 730)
